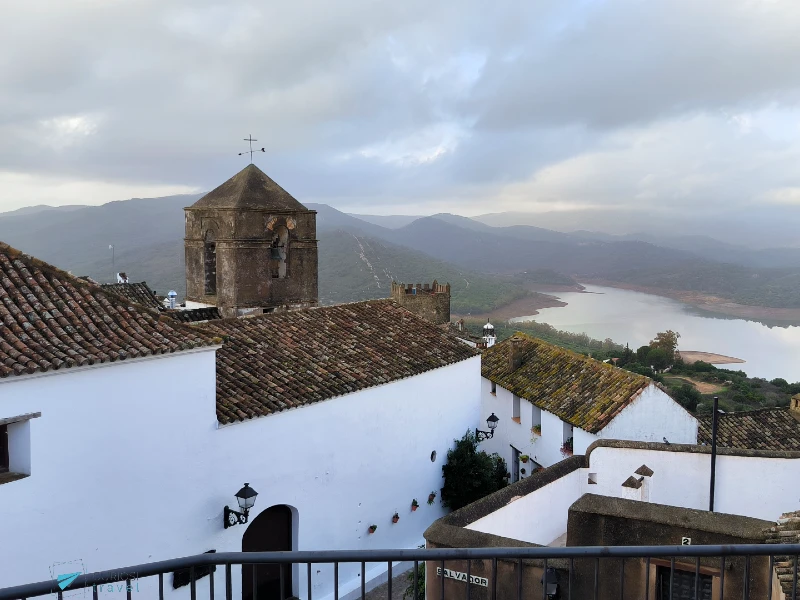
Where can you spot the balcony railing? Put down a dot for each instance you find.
(621, 572)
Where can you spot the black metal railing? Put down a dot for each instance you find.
(757, 571)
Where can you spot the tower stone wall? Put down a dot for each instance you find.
(250, 248)
(431, 302)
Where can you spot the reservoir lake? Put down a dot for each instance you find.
(635, 318)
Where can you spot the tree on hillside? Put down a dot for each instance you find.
(470, 474)
(658, 359)
(668, 342)
(641, 354)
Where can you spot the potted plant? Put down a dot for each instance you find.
(537, 429)
(395, 518)
(524, 458)
(431, 497)
(372, 529)
(414, 505)
(566, 448)
(522, 471)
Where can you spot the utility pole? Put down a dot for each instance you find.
(714, 420)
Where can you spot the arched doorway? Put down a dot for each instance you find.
(270, 531)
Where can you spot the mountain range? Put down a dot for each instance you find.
(488, 266)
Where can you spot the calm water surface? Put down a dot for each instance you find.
(635, 318)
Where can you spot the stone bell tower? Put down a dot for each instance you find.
(250, 248)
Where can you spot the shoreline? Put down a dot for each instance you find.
(526, 306)
(692, 356)
(712, 304)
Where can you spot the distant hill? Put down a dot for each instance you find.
(753, 227)
(388, 221)
(30, 210)
(147, 234)
(513, 249)
(358, 258)
(354, 266)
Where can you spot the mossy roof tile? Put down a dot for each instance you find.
(582, 391)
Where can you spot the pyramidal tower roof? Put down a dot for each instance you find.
(250, 188)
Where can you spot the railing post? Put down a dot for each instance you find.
(494, 579)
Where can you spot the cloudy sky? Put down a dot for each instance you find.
(405, 107)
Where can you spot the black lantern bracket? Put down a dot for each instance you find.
(491, 423)
(234, 517)
(246, 497)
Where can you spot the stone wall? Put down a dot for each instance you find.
(245, 271)
(431, 302)
(602, 521)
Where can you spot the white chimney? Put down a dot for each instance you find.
(171, 296)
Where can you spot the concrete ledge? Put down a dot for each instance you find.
(691, 448)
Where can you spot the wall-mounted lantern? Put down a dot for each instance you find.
(246, 497)
(491, 423)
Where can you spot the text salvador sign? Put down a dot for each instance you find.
(459, 576)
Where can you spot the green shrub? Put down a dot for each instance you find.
(470, 474)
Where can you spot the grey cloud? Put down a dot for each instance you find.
(381, 102)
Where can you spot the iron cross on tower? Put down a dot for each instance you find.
(250, 139)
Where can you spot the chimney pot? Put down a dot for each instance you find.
(514, 353)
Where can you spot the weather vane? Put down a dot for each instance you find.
(250, 139)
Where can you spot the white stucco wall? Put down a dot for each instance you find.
(544, 449)
(763, 488)
(129, 466)
(651, 417)
(535, 518)
(679, 479)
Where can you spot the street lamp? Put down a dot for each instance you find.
(246, 497)
(491, 423)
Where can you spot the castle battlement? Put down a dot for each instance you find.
(429, 301)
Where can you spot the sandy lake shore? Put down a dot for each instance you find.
(525, 306)
(690, 356)
(713, 304)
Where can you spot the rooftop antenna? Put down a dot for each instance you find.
(250, 139)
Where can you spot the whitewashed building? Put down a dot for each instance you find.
(552, 402)
(125, 434)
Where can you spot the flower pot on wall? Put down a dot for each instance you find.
(372, 529)
(431, 497)
(395, 518)
(524, 458)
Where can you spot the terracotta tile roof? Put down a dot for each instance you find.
(250, 188)
(579, 390)
(52, 320)
(275, 362)
(193, 315)
(763, 429)
(139, 293)
(785, 531)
